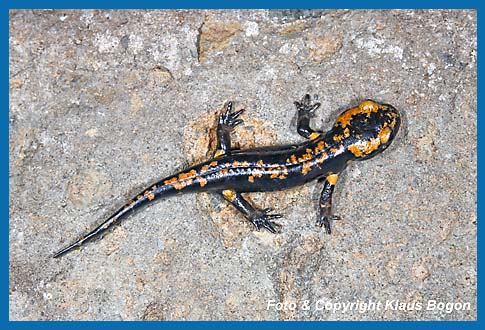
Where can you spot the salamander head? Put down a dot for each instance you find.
(368, 129)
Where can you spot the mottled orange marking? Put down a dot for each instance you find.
(366, 107)
(362, 148)
(275, 173)
(204, 168)
(293, 159)
(333, 150)
(139, 197)
(306, 167)
(308, 151)
(213, 163)
(257, 173)
(235, 163)
(130, 202)
(251, 178)
(346, 132)
(260, 163)
(202, 181)
(170, 181)
(151, 196)
(284, 173)
(188, 175)
(146, 192)
(224, 171)
(338, 138)
(229, 194)
(245, 164)
(332, 179)
(320, 159)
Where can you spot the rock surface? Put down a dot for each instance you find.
(104, 102)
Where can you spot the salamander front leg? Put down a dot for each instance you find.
(227, 121)
(259, 218)
(305, 112)
(325, 206)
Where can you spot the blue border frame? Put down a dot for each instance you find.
(6, 5)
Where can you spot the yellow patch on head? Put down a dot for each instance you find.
(229, 194)
(332, 179)
(365, 107)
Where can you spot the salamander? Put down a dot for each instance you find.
(358, 133)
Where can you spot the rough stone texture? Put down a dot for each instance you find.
(104, 102)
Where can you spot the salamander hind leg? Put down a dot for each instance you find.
(259, 218)
(305, 111)
(325, 205)
(227, 121)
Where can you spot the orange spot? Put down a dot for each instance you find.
(257, 173)
(274, 175)
(130, 202)
(306, 167)
(213, 163)
(251, 178)
(202, 181)
(338, 138)
(245, 164)
(346, 132)
(151, 196)
(384, 134)
(229, 194)
(170, 181)
(332, 179)
(260, 163)
(308, 151)
(224, 171)
(204, 168)
(235, 164)
(139, 197)
(293, 159)
(322, 158)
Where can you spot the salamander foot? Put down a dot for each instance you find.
(325, 222)
(261, 219)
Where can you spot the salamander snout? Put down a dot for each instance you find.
(368, 128)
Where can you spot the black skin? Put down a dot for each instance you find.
(359, 133)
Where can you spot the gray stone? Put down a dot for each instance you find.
(103, 103)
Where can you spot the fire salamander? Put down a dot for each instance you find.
(358, 133)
